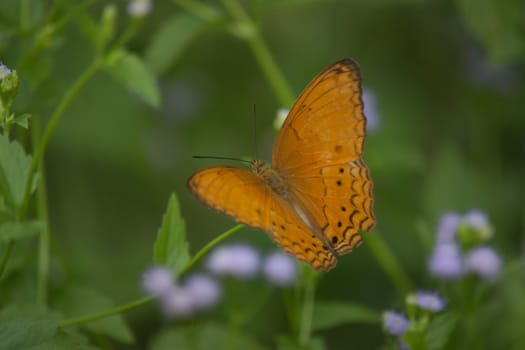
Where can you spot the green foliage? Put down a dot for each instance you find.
(171, 39)
(331, 314)
(131, 71)
(16, 230)
(285, 343)
(15, 165)
(32, 327)
(171, 247)
(24, 327)
(439, 331)
(207, 336)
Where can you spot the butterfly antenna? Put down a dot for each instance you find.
(255, 130)
(224, 158)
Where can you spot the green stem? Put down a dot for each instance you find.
(50, 128)
(5, 258)
(44, 239)
(388, 262)
(105, 314)
(140, 302)
(307, 312)
(251, 34)
(207, 247)
(200, 10)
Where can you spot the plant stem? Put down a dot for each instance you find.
(42, 212)
(207, 247)
(307, 312)
(388, 262)
(50, 128)
(250, 33)
(7, 254)
(140, 302)
(105, 314)
(200, 10)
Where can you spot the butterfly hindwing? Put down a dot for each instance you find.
(338, 202)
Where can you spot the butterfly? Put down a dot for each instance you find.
(317, 194)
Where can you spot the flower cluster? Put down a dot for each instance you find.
(198, 292)
(421, 306)
(201, 291)
(242, 261)
(461, 248)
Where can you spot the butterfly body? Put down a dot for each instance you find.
(317, 194)
(271, 178)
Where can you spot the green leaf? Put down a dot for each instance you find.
(287, 343)
(77, 301)
(18, 230)
(88, 27)
(171, 39)
(330, 314)
(68, 339)
(22, 120)
(439, 331)
(26, 327)
(208, 336)
(15, 166)
(131, 71)
(171, 247)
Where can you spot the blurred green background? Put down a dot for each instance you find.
(448, 78)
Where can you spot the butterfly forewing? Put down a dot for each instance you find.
(244, 196)
(233, 191)
(319, 152)
(326, 125)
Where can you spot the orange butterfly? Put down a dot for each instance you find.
(317, 194)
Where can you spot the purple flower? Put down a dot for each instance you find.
(430, 301)
(484, 262)
(370, 110)
(139, 8)
(395, 323)
(447, 227)
(478, 221)
(157, 281)
(446, 262)
(241, 261)
(403, 345)
(479, 70)
(4, 71)
(178, 303)
(204, 291)
(280, 269)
